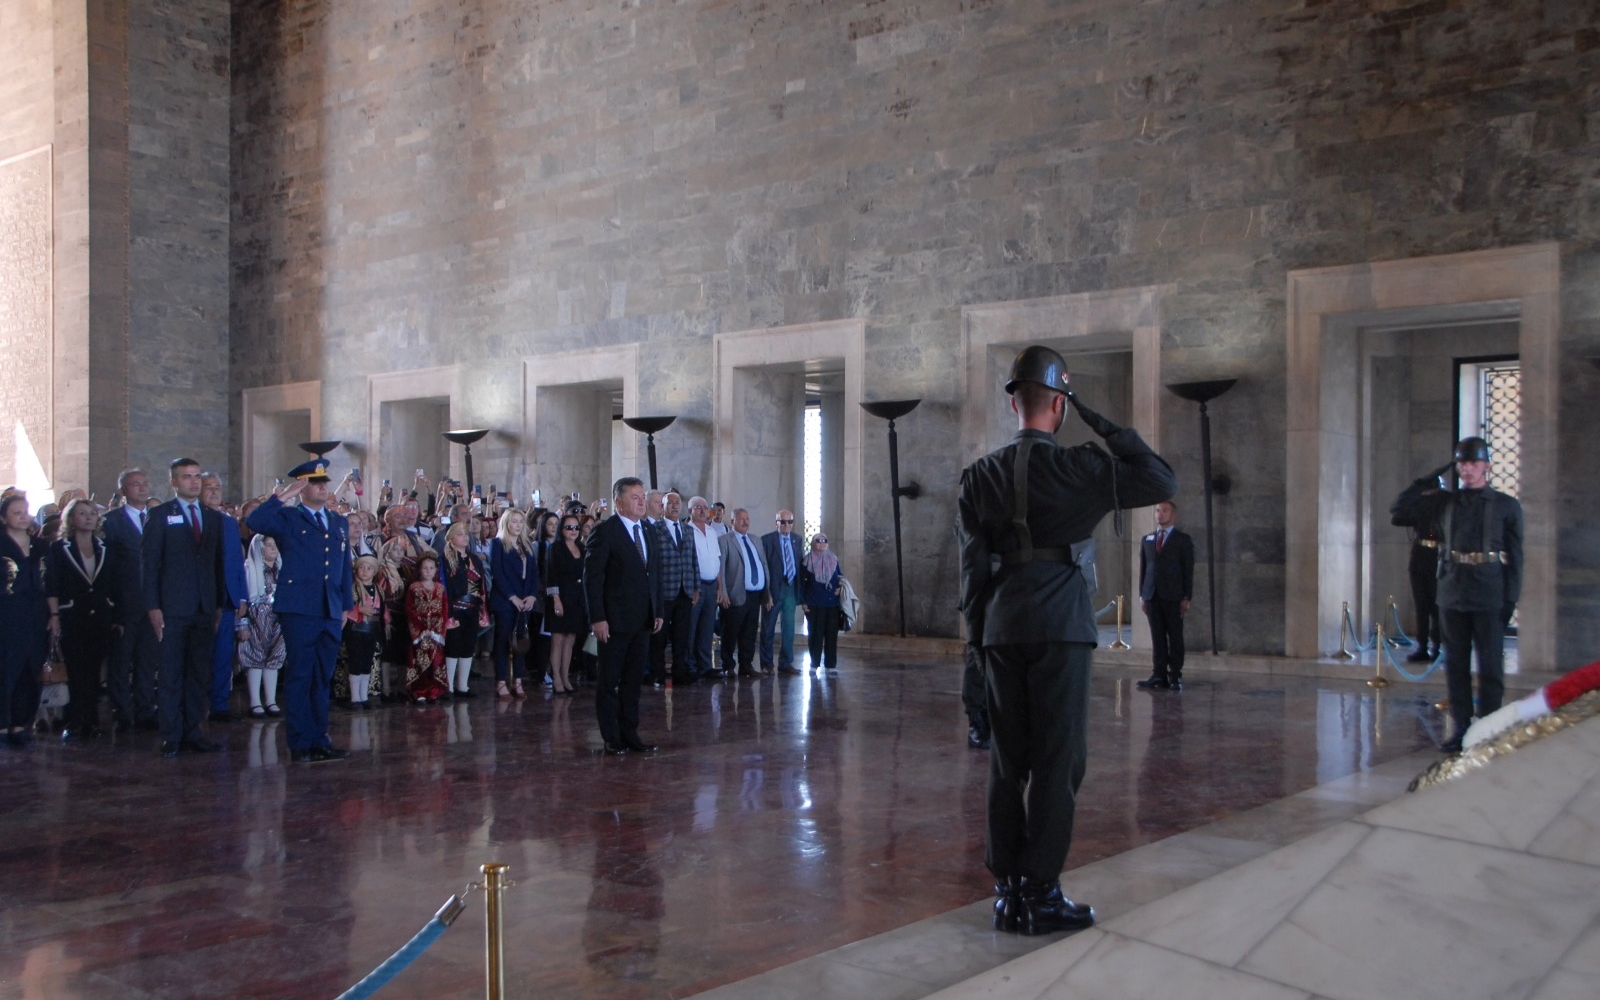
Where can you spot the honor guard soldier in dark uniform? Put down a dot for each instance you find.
(1480, 576)
(1027, 514)
(314, 591)
(1423, 569)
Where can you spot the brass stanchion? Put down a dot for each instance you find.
(1119, 644)
(1377, 680)
(1344, 618)
(494, 934)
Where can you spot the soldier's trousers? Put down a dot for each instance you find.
(1038, 698)
(1465, 631)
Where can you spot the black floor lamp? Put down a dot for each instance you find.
(650, 427)
(892, 410)
(1203, 393)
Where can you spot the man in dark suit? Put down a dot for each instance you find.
(742, 593)
(314, 591)
(621, 593)
(678, 587)
(1166, 585)
(782, 549)
(183, 586)
(131, 667)
(232, 610)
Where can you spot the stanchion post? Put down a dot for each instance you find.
(1378, 680)
(1344, 618)
(1119, 644)
(494, 934)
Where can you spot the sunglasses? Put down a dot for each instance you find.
(782, 521)
(569, 527)
(819, 541)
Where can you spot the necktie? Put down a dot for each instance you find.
(788, 558)
(638, 541)
(752, 573)
(677, 539)
(322, 523)
(142, 514)
(194, 520)
(1161, 539)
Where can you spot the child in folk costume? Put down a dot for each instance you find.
(261, 648)
(363, 632)
(394, 657)
(468, 589)
(427, 612)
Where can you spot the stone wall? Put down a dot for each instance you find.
(421, 184)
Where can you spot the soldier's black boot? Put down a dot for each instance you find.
(1008, 910)
(1046, 910)
(1175, 680)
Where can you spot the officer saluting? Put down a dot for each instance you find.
(314, 591)
(1480, 575)
(1027, 513)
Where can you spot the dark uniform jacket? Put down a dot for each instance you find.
(1069, 491)
(315, 578)
(1470, 521)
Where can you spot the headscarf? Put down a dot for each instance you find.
(255, 569)
(821, 564)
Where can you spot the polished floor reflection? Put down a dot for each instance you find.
(782, 818)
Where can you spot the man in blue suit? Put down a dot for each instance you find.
(231, 613)
(183, 586)
(782, 549)
(314, 592)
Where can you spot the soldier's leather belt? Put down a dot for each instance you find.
(1039, 555)
(1428, 543)
(1477, 558)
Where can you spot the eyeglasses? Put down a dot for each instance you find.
(782, 521)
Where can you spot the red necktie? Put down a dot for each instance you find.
(194, 520)
(1161, 539)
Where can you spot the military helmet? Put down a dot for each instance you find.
(1041, 365)
(1472, 449)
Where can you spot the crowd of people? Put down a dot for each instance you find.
(164, 609)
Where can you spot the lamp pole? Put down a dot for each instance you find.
(1203, 393)
(892, 410)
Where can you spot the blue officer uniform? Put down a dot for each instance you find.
(314, 591)
(222, 652)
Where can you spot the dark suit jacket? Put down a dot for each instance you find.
(506, 569)
(770, 547)
(620, 588)
(1167, 575)
(183, 577)
(77, 591)
(126, 566)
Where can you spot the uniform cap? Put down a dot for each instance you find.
(1041, 365)
(314, 471)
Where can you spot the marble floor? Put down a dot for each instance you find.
(784, 822)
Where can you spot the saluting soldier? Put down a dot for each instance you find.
(1027, 514)
(314, 591)
(1480, 576)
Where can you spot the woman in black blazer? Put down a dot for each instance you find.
(514, 596)
(468, 588)
(79, 588)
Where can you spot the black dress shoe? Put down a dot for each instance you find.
(749, 673)
(464, 694)
(200, 746)
(685, 681)
(977, 739)
(329, 753)
(169, 750)
(615, 749)
(1047, 911)
(1153, 683)
(303, 756)
(1420, 656)
(634, 746)
(789, 670)
(1175, 685)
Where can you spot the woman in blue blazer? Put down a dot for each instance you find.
(514, 598)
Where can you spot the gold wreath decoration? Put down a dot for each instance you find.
(1520, 735)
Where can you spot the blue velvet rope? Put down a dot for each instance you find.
(397, 963)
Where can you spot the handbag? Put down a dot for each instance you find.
(591, 645)
(55, 668)
(521, 642)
